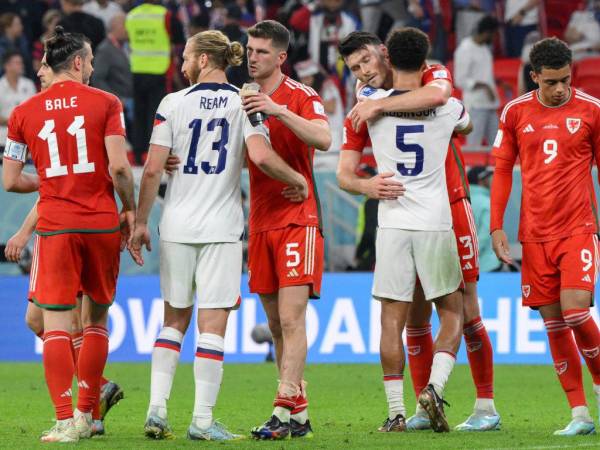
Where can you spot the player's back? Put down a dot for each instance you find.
(64, 128)
(414, 146)
(556, 148)
(205, 126)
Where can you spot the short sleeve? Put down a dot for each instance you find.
(250, 130)
(354, 140)
(115, 120)
(15, 147)
(460, 112)
(311, 107)
(505, 144)
(436, 72)
(162, 131)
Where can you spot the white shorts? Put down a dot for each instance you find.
(213, 271)
(402, 255)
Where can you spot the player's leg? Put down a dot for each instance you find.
(541, 289)
(34, 319)
(419, 346)
(53, 285)
(178, 263)
(218, 279)
(438, 268)
(101, 253)
(271, 307)
(479, 347)
(391, 348)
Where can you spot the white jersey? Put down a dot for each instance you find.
(414, 146)
(206, 128)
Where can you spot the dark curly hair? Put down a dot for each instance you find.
(357, 40)
(407, 48)
(61, 48)
(551, 53)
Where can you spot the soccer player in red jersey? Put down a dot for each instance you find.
(75, 134)
(366, 56)
(555, 132)
(285, 249)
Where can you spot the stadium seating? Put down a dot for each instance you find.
(506, 71)
(585, 76)
(555, 15)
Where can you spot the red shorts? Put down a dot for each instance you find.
(290, 256)
(466, 239)
(548, 267)
(64, 264)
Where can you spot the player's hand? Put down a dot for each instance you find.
(140, 237)
(384, 187)
(296, 194)
(364, 110)
(261, 102)
(172, 164)
(15, 246)
(501, 247)
(126, 225)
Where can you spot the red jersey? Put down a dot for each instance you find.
(64, 129)
(269, 210)
(557, 147)
(456, 180)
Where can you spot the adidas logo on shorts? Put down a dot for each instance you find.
(587, 278)
(293, 273)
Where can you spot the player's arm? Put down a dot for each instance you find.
(314, 133)
(381, 186)
(435, 93)
(18, 241)
(505, 151)
(15, 155)
(122, 177)
(267, 160)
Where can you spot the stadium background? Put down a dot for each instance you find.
(342, 325)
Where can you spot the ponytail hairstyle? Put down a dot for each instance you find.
(221, 52)
(62, 48)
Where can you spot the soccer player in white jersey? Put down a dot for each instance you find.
(415, 235)
(202, 222)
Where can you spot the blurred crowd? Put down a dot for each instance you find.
(138, 45)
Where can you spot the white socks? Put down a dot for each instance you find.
(581, 413)
(485, 406)
(394, 391)
(165, 357)
(442, 366)
(208, 374)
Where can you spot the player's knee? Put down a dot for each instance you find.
(291, 324)
(275, 327)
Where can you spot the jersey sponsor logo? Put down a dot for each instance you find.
(590, 353)
(413, 350)
(526, 289)
(573, 124)
(528, 129)
(498, 139)
(474, 346)
(319, 108)
(587, 278)
(440, 74)
(550, 126)
(367, 91)
(561, 367)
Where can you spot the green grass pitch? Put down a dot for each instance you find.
(347, 404)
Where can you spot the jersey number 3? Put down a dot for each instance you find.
(75, 129)
(401, 132)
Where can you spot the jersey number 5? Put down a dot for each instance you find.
(219, 146)
(401, 132)
(75, 129)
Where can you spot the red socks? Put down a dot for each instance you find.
(566, 359)
(587, 337)
(92, 359)
(59, 369)
(481, 358)
(419, 343)
(301, 404)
